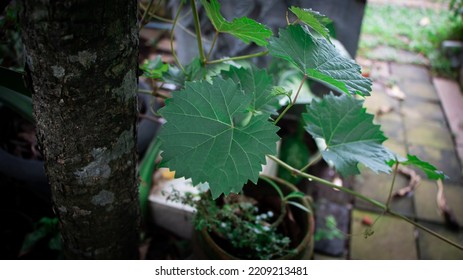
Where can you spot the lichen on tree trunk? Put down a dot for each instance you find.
(81, 59)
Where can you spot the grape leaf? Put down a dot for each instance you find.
(314, 19)
(203, 141)
(154, 68)
(245, 29)
(319, 60)
(349, 133)
(430, 170)
(193, 71)
(256, 83)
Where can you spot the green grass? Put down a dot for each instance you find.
(399, 27)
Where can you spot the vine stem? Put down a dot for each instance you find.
(214, 40)
(389, 197)
(167, 20)
(145, 14)
(293, 101)
(154, 93)
(172, 49)
(364, 198)
(262, 53)
(202, 57)
(282, 215)
(316, 158)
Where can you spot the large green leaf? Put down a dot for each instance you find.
(319, 60)
(314, 19)
(430, 170)
(256, 83)
(244, 28)
(202, 139)
(349, 133)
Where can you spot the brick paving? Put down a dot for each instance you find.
(427, 122)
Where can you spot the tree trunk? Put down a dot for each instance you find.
(81, 59)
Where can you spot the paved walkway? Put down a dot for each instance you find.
(420, 115)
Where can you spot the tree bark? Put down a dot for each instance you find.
(81, 59)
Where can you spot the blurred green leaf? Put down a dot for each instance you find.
(154, 68)
(20, 103)
(429, 169)
(13, 80)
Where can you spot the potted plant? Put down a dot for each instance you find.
(272, 220)
(222, 123)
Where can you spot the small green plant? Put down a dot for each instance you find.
(252, 230)
(330, 231)
(221, 125)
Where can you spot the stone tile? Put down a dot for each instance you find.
(444, 160)
(428, 133)
(396, 146)
(452, 103)
(380, 70)
(426, 205)
(422, 111)
(432, 248)
(407, 72)
(392, 54)
(377, 186)
(379, 99)
(416, 89)
(393, 239)
(392, 126)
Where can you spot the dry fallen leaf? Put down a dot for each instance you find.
(447, 213)
(384, 110)
(396, 92)
(414, 180)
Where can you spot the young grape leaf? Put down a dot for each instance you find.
(313, 19)
(193, 71)
(154, 68)
(202, 141)
(349, 133)
(243, 28)
(256, 83)
(319, 60)
(429, 169)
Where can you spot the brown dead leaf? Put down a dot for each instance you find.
(445, 210)
(414, 180)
